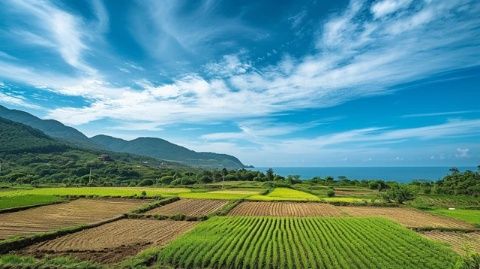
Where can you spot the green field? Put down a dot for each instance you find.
(96, 191)
(445, 201)
(228, 194)
(285, 194)
(27, 200)
(256, 242)
(468, 215)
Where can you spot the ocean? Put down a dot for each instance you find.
(400, 174)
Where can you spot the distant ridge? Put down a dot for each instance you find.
(146, 146)
(162, 149)
(51, 128)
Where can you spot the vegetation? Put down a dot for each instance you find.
(18, 201)
(467, 183)
(468, 215)
(96, 191)
(286, 194)
(399, 194)
(15, 261)
(252, 242)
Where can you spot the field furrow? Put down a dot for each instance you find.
(189, 207)
(286, 209)
(273, 242)
(53, 217)
(408, 217)
(113, 238)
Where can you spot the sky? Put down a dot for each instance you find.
(273, 82)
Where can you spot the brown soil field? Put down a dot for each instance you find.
(406, 216)
(284, 209)
(460, 242)
(189, 207)
(114, 241)
(54, 217)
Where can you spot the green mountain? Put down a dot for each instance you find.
(19, 138)
(151, 147)
(51, 128)
(27, 155)
(162, 149)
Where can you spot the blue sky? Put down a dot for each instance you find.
(275, 83)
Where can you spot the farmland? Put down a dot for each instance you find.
(28, 200)
(227, 194)
(286, 209)
(95, 191)
(251, 242)
(189, 207)
(461, 242)
(408, 217)
(236, 227)
(468, 215)
(51, 217)
(113, 241)
(285, 194)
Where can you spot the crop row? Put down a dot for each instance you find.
(267, 242)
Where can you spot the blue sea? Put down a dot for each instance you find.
(400, 174)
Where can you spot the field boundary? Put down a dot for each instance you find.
(16, 243)
(444, 229)
(227, 208)
(155, 204)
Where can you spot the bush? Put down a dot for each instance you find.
(331, 193)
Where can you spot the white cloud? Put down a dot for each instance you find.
(462, 153)
(54, 28)
(16, 100)
(386, 7)
(357, 57)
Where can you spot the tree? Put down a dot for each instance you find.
(270, 174)
(331, 192)
(398, 194)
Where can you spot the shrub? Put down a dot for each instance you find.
(331, 193)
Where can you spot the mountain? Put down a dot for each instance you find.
(51, 128)
(151, 147)
(162, 149)
(19, 138)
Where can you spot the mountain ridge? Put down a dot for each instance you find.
(158, 148)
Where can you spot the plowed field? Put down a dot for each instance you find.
(408, 217)
(53, 217)
(460, 242)
(189, 207)
(113, 241)
(284, 209)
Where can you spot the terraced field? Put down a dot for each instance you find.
(286, 209)
(408, 217)
(114, 241)
(189, 207)
(460, 242)
(53, 217)
(267, 242)
(285, 194)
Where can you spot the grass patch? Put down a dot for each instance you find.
(228, 194)
(16, 261)
(9, 202)
(468, 215)
(285, 194)
(268, 242)
(96, 191)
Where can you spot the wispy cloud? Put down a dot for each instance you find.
(435, 114)
(363, 51)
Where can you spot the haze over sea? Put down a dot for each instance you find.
(400, 174)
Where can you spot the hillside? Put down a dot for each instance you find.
(29, 156)
(18, 138)
(51, 128)
(162, 149)
(151, 147)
